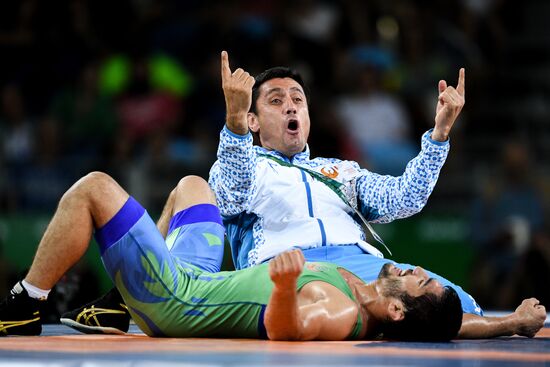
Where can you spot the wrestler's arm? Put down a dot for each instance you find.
(526, 320)
(311, 314)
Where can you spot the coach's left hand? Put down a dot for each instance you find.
(449, 104)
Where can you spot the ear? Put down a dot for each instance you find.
(396, 310)
(253, 123)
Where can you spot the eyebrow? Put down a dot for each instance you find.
(426, 283)
(280, 90)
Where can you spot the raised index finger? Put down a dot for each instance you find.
(226, 71)
(461, 87)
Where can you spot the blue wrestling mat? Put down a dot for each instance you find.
(61, 346)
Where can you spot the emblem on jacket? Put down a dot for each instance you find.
(330, 172)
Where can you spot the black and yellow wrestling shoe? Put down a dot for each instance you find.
(20, 314)
(105, 315)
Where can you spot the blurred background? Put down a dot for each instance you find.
(132, 88)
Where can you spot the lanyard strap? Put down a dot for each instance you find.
(337, 188)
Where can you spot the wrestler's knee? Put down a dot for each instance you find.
(99, 182)
(94, 185)
(192, 190)
(192, 182)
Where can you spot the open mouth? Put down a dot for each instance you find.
(292, 125)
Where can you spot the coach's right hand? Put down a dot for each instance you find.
(237, 88)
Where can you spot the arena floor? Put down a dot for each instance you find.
(61, 346)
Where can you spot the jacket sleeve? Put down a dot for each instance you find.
(382, 199)
(233, 175)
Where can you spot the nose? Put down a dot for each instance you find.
(290, 107)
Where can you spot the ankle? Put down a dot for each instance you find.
(32, 291)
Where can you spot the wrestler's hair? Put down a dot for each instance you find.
(276, 72)
(427, 318)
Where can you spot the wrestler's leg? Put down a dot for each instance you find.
(191, 196)
(89, 203)
(195, 231)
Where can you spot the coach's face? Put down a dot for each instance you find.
(282, 116)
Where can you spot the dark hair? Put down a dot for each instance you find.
(427, 318)
(276, 72)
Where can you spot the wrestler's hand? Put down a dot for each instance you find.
(530, 317)
(237, 88)
(285, 269)
(449, 104)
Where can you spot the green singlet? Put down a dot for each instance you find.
(231, 304)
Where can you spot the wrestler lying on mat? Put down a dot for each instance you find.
(168, 294)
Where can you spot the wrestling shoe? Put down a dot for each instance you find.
(20, 314)
(105, 315)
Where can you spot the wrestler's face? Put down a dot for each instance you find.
(414, 282)
(282, 116)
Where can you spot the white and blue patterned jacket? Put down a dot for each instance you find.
(269, 208)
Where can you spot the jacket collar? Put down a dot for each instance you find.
(297, 158)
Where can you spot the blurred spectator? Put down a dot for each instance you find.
(328, 137)
(50, 172)
(482, 24)
(377, 120)
(314, 21)
(5, 267)
(17, 32)
(16, 144)
(142, 110)
(312, 29)
(507, 221)
(87, 118)
(16, 128)
(530, 275)
(207, 104)
(156, 144)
